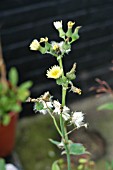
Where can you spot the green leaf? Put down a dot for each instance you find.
(16, 107)
(2, 164)
(6, 120)
(106, 106)
(26, 85)
(77, 149)
(38, 106)
(13, 76)
(62, 81)
(54, 142)
(55, 166)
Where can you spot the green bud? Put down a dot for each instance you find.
(75, 35)
(71, 74)
(42, 50)
(61, 33)
(69, 32)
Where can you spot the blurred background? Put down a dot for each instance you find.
(21, 21)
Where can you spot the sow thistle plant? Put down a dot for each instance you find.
(46, 104)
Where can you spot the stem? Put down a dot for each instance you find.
(62, 123)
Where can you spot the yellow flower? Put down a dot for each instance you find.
(44, 39)
(55, 72)
(70, 24)
(34, 45)
(55, 47)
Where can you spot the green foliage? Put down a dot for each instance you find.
(63, 81)
(109, 165)
(11, 95)
(13, 76)
(39, 106)
(106, 106)
(77, 149)
(2, 164)
(55, 166)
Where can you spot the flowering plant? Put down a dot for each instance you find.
(46, 104)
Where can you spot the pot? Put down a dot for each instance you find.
(7, 136)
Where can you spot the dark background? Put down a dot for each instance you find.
(23, 20)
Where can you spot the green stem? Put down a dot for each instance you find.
(62, 123)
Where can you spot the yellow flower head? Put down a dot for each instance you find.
(43, 39)
(55, 47)
(55, 72)
(70, 24)
(34, 45)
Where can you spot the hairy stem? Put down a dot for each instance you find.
(62, 123)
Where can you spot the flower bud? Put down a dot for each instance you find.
(58, 26)
(75, 35)
(35, 45)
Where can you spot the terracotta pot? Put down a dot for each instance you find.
(7, 136)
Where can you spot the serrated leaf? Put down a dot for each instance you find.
(77, 149)
(13, 76)
(38, 106)
(54, 142)
(106, 106)
(2, 164)
(55, 166)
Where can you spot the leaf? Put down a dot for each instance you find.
(62, 81)
(2, 164)
(77, 149)
(26, 85)
(106, 106)
(13, 76)
(55, 166)
(6, 120)
(54, 142)
(38, 106)
(16, 108)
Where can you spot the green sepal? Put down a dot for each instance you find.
(69, 32)
(106, 106)
(47, 46)
(13, 76)
(39, 106)
(63, 81)
(42, 50)
(75, 34)
(61, 33)
(2, 164)
(66, 47)
(70, 76)
(55, 166)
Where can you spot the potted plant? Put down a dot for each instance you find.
(11, 97)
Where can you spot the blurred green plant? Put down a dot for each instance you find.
(2, 164)
(11, 95)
